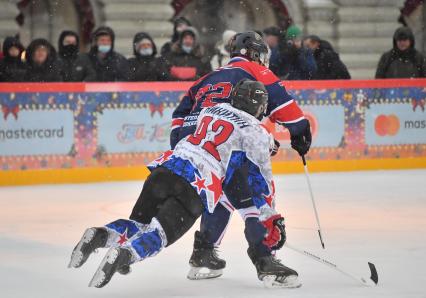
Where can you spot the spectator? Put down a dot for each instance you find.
(329, 65)
(180, 24)
(403, 61)
(42, 62)
(222, 55)
(1, 53)
(272, 35)
(108, 65)
(145, 66)
(187, 61)
(290, 60)
(12, 68)
(68, 49)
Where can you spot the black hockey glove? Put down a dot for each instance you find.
(302, 142)
(274, 150)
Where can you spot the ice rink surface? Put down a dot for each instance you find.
(377, 216)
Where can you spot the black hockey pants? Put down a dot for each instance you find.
(172, 200)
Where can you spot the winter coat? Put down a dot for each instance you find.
(402, 64)
(71, 62)
(12, 69)
(49, 71)
(113, 67)
(329, 65)
(290, 63)
(220, 58)
(167, 47)
(184, 66)
(146, 68)
(83, 70)
(222, 55)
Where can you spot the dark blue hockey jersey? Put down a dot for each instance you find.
(216, 87)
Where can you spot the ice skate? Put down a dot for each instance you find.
(93, 238)
(117, 259)
(273, 273)
(204, 262)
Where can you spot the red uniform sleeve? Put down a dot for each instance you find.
(282, 108)
(181, 111)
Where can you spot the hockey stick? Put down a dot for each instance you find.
(372, 281)
(305, 167)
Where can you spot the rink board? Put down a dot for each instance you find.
(86, 132)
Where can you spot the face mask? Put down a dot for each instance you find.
(186, 49)
(262, 111)
(146, 52)
(70, 49)
(104, 48)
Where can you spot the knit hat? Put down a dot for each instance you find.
(293, 32)
(189, 31)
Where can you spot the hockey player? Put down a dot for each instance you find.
(185, 182)
(249, 60)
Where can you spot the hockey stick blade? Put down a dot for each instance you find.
(366, 282)
(374, 276)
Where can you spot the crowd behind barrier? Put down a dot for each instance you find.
(292, 57)
(77, 132)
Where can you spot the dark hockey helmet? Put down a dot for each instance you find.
(251, 97)
(251, 46)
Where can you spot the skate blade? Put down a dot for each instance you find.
(77, 255)
(290, 282)
(196, 273)
(101, 278)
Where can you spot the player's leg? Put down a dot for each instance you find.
(177, 210)
(160, 185)
(269, 269)
(205, 262)
(213, 227)
(98, 237)
(120, 230)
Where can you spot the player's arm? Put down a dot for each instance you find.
(181, 111)
(283, 109)
(260, 177)
(261, 183)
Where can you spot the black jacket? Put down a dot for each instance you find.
(329, 65)
(113, 67)
(291, 63)
(70, 61)
(83, 70)
(146, 68)
(12, 69)
(49, 71)
(402, 64)
(182, 66)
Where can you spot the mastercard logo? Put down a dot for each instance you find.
(386, 125)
